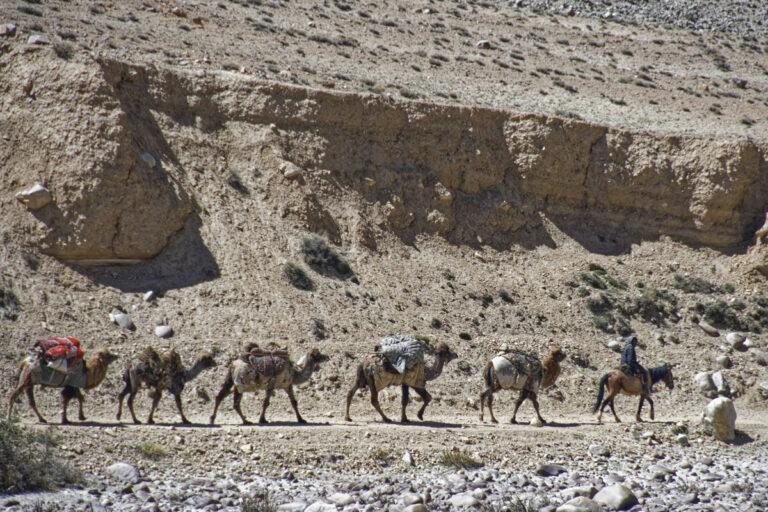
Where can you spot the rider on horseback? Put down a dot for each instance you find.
(629, 359)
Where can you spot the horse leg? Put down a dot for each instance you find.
(518, 403)
(376, 405)
(640, 408)
(295, 405)
(650, 401)
(156, 395)
(426, 399)
(126, 389)
(31, 399)
(613, 410)
(403, 404)
(264, 405)
(535, 401)
(237, 396)
(177, 398)
(225, 390)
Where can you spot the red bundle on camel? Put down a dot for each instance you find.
(60, 353)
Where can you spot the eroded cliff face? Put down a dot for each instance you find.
(350, 166)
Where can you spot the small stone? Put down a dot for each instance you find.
(418, 507)
(408, 458)
(290, 170)
(550, 469)
(38, 39)
(7, 29)
(412, 499)
(35, 197)
(721, 384)
(682, 440)
(709, 329)
(748, 344)
(341, 499)
(163, 331)
(483, 44)
(615, 345)
(721, 415)
(580, 504)
(724, 361)
(148, 159)
(123, 320)
(736, 341)
(536, 422)
(124, 472)
(319, 506)
(616, 496)
(149, 296)
(705, 384)
(463, 501)
(599, 450)
(246, 448)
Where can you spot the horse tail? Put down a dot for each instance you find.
(600, 392)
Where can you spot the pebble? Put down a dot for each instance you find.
(290, 170)
(463, 500)
(124, 472)
(123, 320)
(736, 341)
(35, 197)
(148, 159)
(580, 504)
(550, 469)
(149, 296)
(709, 329)
(341, 499)
(38, 39)
(599, 450)
(616, 496)
(7, 29)
(163, 331)
(483, 44)
(408, 458)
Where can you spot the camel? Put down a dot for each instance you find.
(160, 372)
(90, 374)
(375, 374)
(523, 372)
(268, 371)
(619, 382)
(762, 233)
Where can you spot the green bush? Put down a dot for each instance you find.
(460, 459)
(323, 259)
(9, 304)
(691, 284)
(151, 450)
(260, 501)
(297, 277)
(27, 461)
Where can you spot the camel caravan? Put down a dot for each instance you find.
(399, 360)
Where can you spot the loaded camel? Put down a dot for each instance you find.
(160, 372)
(267, 370)
(619, 382)
(375, 374)
(523, 372)
(90, 374)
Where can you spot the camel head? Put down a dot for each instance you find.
(206, 359)
(105, 356)
(445, 353)
(556, 353)
(315, 357)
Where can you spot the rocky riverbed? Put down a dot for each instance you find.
(574, 465)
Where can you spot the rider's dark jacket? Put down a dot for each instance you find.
(629, 357)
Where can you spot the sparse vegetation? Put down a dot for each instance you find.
(298, 277)
(9, 304)
(151, 450)
(465, 336)
(692, 284)
(459, 459)
(63, 50)
(259, 501)
(28, 463)
(323, 259)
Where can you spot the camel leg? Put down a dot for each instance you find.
(126, 389)
(156, 395)
(376, 405)
(518, 403)
(426, 399)
(131, 397)
(350, 395)
(225, 390)
(295, 404)
(535, 401)
(482, 403)
(177, 398)
(31, 399)
(237, 396)
(23, 383)
(267, 396)
(490, 406)
(67, 394)
(403, 404)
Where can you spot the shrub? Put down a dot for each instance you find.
(27, 462)
(9, 304)
(151, 450)
(436, 323)
(259, 501)
(323, 259)
(594, 280)
(297, 277)
(236, 183)
(459, 459)
(652, 306)
(582, 291)
(690, 284)
(465, 336)
(506, 297)
(63, 50)
(601, 304)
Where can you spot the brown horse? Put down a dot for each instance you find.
(619, 382)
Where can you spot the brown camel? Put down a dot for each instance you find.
(523, 372)
(268, 371)
(375, 374)
(762, 233)
(160, 372)
(89, 375)
(619, 382)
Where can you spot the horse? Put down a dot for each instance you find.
(619, 382)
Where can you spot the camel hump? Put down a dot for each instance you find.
(517, 370)
(268, 365)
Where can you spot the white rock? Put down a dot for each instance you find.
(122, 319)
(580, 504)
(721, 384)
(705, 384)
(463, 500)
(484, 44)
(290, 170)
(319, 506)
(124, 472)
(149, 296)
(341, 499)
(408, 458)
(616, 496)
(682, 440)
(38, 39)
(712, 331)
(536, 423)
(721, 415)
(748, 343)
(35, 197)
(163, 331)
(599, 450)
(246, 448)
(615, 345)
(736, 340)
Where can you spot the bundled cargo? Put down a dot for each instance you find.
(60, 353)
(401, 351)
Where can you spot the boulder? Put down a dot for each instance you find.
(720, 414)
(124, 472)
(599, 450)
(580, 504)
(721, 384)
(35, 197)
(705, 384)
(617, 496)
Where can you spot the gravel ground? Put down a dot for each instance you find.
(744, 18)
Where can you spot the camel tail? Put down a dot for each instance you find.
(360, 381)
(600, 392)
(488, 375)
